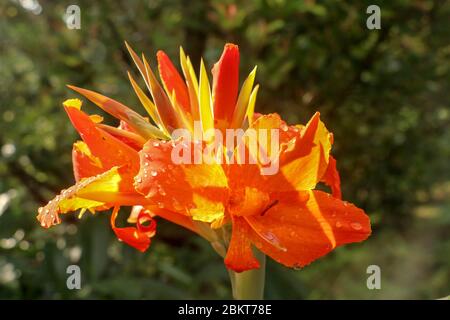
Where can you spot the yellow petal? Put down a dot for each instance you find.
(243, 101)
(204, 100)
(148, 105)
(251, 104)
(182, 117)
(206, 210)
(192, 84)
(74, 198)
(139, 64)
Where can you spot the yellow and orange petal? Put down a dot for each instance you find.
(195, 189)
(109, 150)
(296, 232)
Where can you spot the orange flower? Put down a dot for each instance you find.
(132, 165)
(280, 214)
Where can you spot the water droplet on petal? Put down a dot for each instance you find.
(152, 192)
(338, 224)
(153, 173)
(176, 205)
(161, 191)
(356, 225)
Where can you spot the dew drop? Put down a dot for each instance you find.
(138, 179)
(356, 225)
(176, 205)
(161, 191)
(153, 173)
(338, 224)
(152, 192)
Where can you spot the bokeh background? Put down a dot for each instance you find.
(384, 93)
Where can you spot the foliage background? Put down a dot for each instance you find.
(384, 93)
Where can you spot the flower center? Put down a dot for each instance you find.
(248, 201)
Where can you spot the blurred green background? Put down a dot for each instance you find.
(384, 93)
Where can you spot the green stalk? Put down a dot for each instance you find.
(249, 285)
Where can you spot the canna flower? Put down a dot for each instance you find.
(231, 203)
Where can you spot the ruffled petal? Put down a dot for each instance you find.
(297, 231)
(239, 255)
(137, 237)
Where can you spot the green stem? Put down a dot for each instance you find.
(249, 285)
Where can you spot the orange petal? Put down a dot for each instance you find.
(130, 235)
(296, 231)
(226, 83)
(162, 102)
(145, 216)
(172, 80)
(239, 255)
(85, 164)
(304, 161)
(122, 112)
(128, 137)
(111, 151)
(198, 190)
(332, 179)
